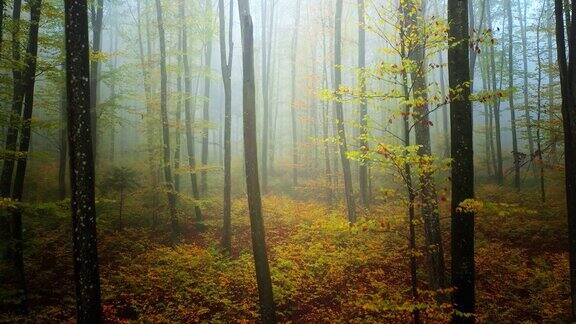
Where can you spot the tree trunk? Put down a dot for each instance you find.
(226, 64)
(17, 100)
(28, 83)
(267, 306)
(293, 114)
(178, 133)
(567, 67)
(348, 190)
(83, 207)
(538, 154)
(461, 121)
(496, 104)
(165, 124)
(515, 152)
(97, 16)
(189, 114)
(206, 110)
(430, 209)
(363, 167)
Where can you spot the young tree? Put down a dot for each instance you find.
(83, 207)
(363, 169)
(96, 18)
(189, 114)
(226, 64)
(567, 67)
(461, 121)
(293, 113)
(165, 123)
(515, 152)
(206, 108)
(267, 306)
(348, 190)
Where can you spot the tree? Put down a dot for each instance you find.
(515, 152)
(17, 100)
(567, 67)
(120, 180)
(226, 64)
(165, 124)
(189, 114)
(348, 190)
(96, 18)
(83, 206)
(293, 114)
(206, 109)
(267, 306)
(363, 169)
(461, 121)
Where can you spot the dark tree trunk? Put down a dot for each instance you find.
(538, 154)
(83, 207)
(567, 67)
(348, 190)
(17, 100)
(462, 164)
(28, 82)
(165, 123)
(363, 167)
(97, 16)
(189, 116)
(293, 114)
(226, 64)
(267, 306)
(206, 110)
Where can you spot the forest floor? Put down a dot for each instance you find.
(323, 270)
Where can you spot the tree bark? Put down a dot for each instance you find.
(462, 227)
(206, 108)
(348, 190)
(189, 115)
(363, 167)
(267, 306)
(293, 113)
(567, 67)
(17, 100)
(83, 207)
(97, 16)
(226, 64)
(165, 124)
(515, 153)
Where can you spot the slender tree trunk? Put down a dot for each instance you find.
(325, 120)
(540, 160)
(567, 67)
(226, 64)
(461, 120)
(267, 306)
(169, 183)
(178, 133)
(348, 190)
(17, 100)
(189, 115)
(206, 110)
(145, 63)
(28, 81)
(551, 104)
(445, 118)
(515, 152)
(363, 167)
(293, 114)
(83, 206)
(496, 104)
(97, 16)
(523, 33)
(265, 97)
(430, 209)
